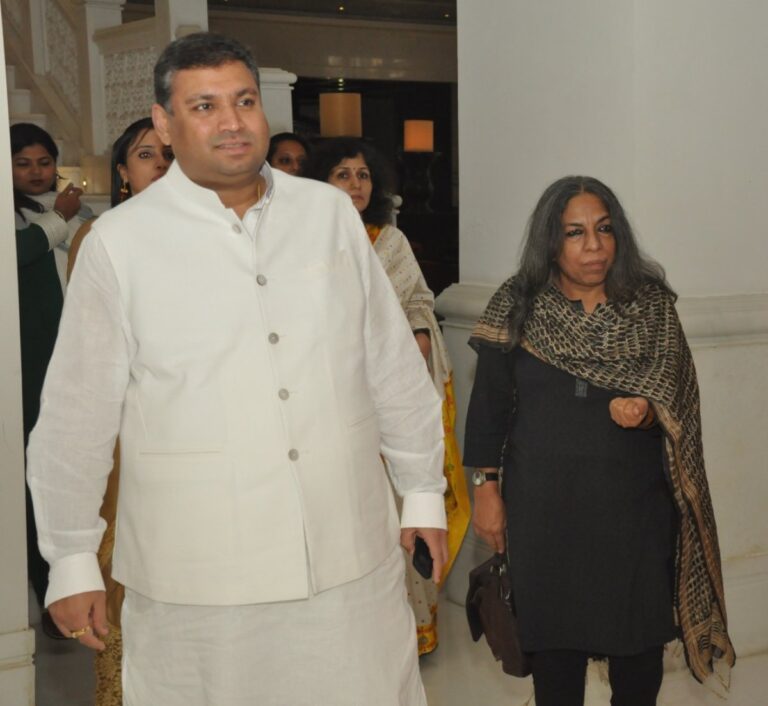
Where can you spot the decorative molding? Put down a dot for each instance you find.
(738, 319)
(17, 648)
(276, 77)
(139, 34)
(103, 4)
(129, 89)
(462, 304)
(61, 46)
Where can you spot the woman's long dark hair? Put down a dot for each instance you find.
(25, 135)
(331, 152)
(120, 155)
(544, 242)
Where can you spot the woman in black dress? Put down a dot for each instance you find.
(586, 394)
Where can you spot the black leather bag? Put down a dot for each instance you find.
(491, 610)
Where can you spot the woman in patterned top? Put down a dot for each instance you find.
(357, 168)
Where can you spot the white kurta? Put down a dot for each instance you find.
(255, 370)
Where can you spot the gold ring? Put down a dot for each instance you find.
(77, 634)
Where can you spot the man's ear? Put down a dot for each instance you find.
(160, 120)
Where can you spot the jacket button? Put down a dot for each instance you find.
(283, 394)
(261, 280)
(273, 338)
(293, 454)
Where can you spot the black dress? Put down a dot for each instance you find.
(590, 517)
(40, 305)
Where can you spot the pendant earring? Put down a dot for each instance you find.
(124, 192)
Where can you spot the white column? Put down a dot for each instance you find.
(17, 641)
(176, 18)
(666, 104)
(94, 15)
(276, 88)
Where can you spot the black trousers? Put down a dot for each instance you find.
(559, 677)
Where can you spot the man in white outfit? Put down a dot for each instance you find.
(234, 326)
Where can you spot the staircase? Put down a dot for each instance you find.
(24, 107)
(20, 102)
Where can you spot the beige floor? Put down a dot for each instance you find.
(458, 673)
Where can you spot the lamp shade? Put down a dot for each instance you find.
(419, 136)
(340, 115)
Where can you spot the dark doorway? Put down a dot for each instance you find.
(431, 228)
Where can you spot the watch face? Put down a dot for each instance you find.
(478, 478)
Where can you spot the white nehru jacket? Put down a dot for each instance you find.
(255, 371)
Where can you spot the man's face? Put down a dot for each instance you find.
(216, 125)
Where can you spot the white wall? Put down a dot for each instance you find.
(543, 92)
(17, 674)
(701, 141)
(666, 102)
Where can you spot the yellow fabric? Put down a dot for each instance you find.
(115, 590)
(109, 687)
(373, 232)
(457, 506)
(426, 635)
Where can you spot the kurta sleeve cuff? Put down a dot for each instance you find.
(423, 510)
(76, 573)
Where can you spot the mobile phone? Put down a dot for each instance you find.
(422, 559)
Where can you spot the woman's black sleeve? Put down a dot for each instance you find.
(31, 244)
(490, 407)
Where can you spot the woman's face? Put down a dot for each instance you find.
(146, 161)
(34, 170)
(589, 248)
(353, 176)
(289, 157)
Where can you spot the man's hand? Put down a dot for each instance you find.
(83, 610)
(437, 541)
(628, 412)
(489, 519)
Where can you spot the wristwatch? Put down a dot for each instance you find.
(479, 477)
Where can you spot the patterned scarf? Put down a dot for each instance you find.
(640, 347)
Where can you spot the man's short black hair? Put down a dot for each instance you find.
(201, 49)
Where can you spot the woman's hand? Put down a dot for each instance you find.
(425, 344)
(68, 202)
(489, 519)
(629, 412)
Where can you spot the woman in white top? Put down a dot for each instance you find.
(43, 221)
